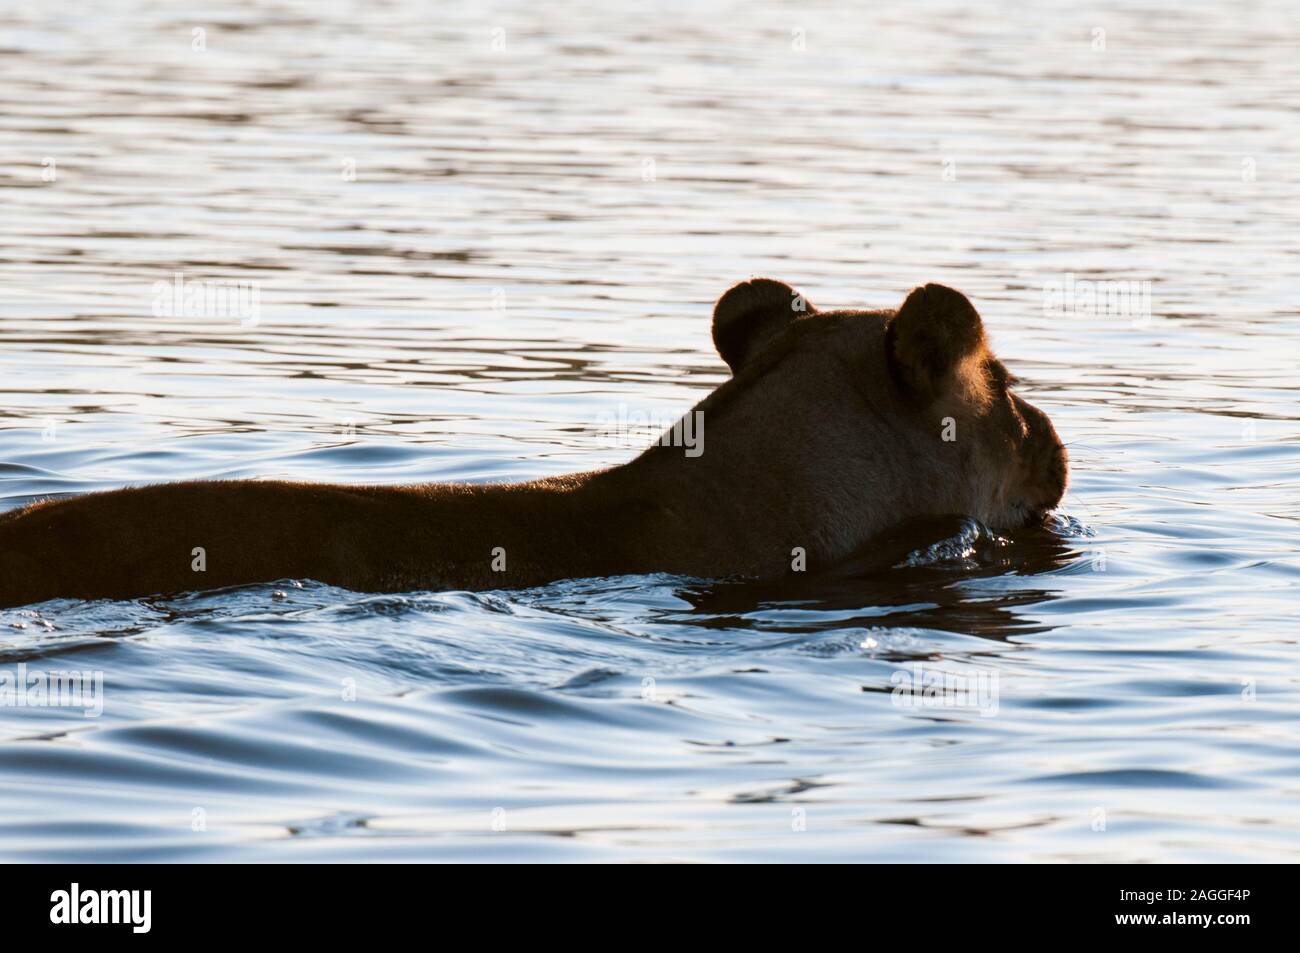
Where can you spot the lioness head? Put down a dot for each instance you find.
(853, 421)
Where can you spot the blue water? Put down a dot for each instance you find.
(542, 206)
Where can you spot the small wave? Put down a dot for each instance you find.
(966, 549)
(1069, 526)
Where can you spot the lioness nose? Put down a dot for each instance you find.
(1059, 472)
(1047, 460)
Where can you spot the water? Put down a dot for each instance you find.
(466, 255)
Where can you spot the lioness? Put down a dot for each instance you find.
(834, 427)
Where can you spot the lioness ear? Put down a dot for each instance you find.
(936, 344)
(750, 314)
